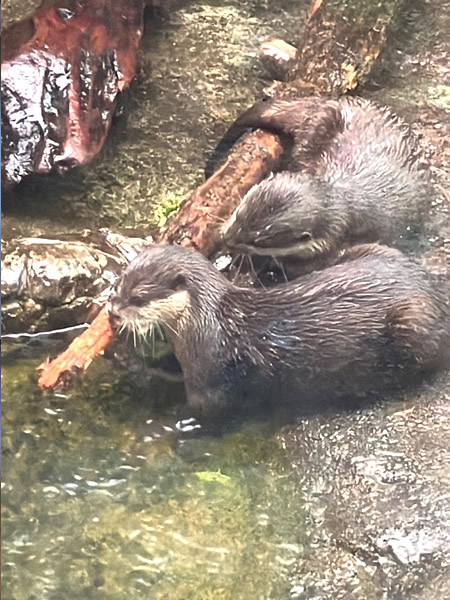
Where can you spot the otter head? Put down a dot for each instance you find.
(290, 214)
(159, 287)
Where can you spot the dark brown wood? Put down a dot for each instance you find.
(198, 221)
(341, 43)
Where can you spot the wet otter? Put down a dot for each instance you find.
(355, 176)
(366, 324)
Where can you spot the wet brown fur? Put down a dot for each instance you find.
(355, 175)
(367, 324)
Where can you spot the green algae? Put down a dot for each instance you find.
(166, 209)
(213, 476)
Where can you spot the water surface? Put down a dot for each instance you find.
(99, 501)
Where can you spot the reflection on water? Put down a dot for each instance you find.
(100, 501)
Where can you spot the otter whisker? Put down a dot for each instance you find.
(280, 265)
(142, 333)
(238, 270)
(139, 330)
(161, 332)
(170, 328)
(133, 330)
(152, 335)
(253, 270)
(235, 258)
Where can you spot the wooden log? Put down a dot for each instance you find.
(79, 354)
(198, 221)
(341, 44)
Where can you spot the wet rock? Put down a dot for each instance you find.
(278, 58)
(376, 483)
(62, 72)
(411, 547)
(48, 284)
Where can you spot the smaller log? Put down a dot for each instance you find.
(339, 48)
(80, 353)
(197, 223)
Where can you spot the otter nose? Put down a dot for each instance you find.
(114, 316)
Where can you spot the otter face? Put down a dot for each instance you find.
(284, 215)
(152, 291)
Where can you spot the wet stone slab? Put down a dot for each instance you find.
(376, 482)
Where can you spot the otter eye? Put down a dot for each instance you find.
(178, 282)
(137, 301)
(305, 237)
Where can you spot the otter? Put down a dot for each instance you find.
(306, 126)
(355, 175)
(366, 324)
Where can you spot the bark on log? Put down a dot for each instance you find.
(197, 222)
(341, 43)
(79, 354)
(62, 72)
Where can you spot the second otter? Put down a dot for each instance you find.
(368, 324)
(355, 176)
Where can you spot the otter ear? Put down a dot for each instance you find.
(178, 283)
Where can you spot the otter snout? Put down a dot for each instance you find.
(114, 316)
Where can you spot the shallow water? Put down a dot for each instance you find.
(101, 499)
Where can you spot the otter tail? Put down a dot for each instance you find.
(308, 123)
